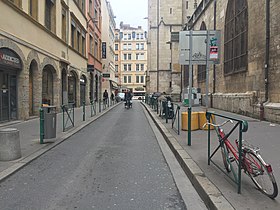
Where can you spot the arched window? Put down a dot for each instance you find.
(201, 72)
(236, 37)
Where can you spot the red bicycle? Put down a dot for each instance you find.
(252, 162)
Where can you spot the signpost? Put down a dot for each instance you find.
(201, 48)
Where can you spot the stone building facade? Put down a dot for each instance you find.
(248, 75)
(43, 58)
(165, 20)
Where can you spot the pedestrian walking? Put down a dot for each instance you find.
(105, 98)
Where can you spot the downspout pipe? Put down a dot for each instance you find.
(267, 55)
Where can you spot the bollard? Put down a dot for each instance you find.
(84, 110)
(189, 126)
(9, 144)
(42, 126)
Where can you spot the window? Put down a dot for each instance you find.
(63, 24)
(116, 47)
(129, 36)
(73, 37)
(142, 67)
(116, 68)
(124, 46)
(96, 49)
(129, 67)
(137, 36)
(142, 79)
(116, 57)
(125, 56)
(137, 67)
(236, 37)
(50, 15)
(137, 46)
(137, 79)
(125, 67)
(83, 44)
(127, 79)
(142, 46)
(139, 56)
(33, 9)
(125, 36)
(91, 44)
(78, 40)
(170, 10)
(129, 47)
(129, 56)
(142, 36)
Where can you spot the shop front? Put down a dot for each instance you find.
(10, 65)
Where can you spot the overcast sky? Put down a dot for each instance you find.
(130, 12)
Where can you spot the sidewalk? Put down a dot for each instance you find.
(30, 137)
(215, 188)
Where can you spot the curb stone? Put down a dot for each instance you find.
(208, 192)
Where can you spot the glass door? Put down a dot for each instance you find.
(4, 97)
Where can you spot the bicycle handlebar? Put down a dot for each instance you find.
(217, 125)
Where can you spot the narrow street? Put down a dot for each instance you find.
(114, 163)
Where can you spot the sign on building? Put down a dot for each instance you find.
(104, 50)
(199, 40)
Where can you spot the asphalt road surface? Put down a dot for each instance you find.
(114, 163)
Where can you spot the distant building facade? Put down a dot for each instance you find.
(43, 56)
(109, 75)
(131, 58)
(94, 42)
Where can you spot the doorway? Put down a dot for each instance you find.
(8, 97)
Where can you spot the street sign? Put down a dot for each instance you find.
(106, 75)
(199, 41)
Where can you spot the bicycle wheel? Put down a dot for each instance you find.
(225, 158)
(261, 175)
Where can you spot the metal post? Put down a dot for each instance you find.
(190, 90)
(84, 110)
(63, 126)
(208, 138)
(207, 71)
(189, 126)
(178, 120)
(240, 158)
(42, 126)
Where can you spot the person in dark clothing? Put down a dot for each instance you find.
(105, 97)
(127, 98)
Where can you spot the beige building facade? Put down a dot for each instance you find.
(131, 58)
(110, 77)
(42, 56)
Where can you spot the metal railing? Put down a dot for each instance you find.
(175, 118)
(243, 127)
(68, 116)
